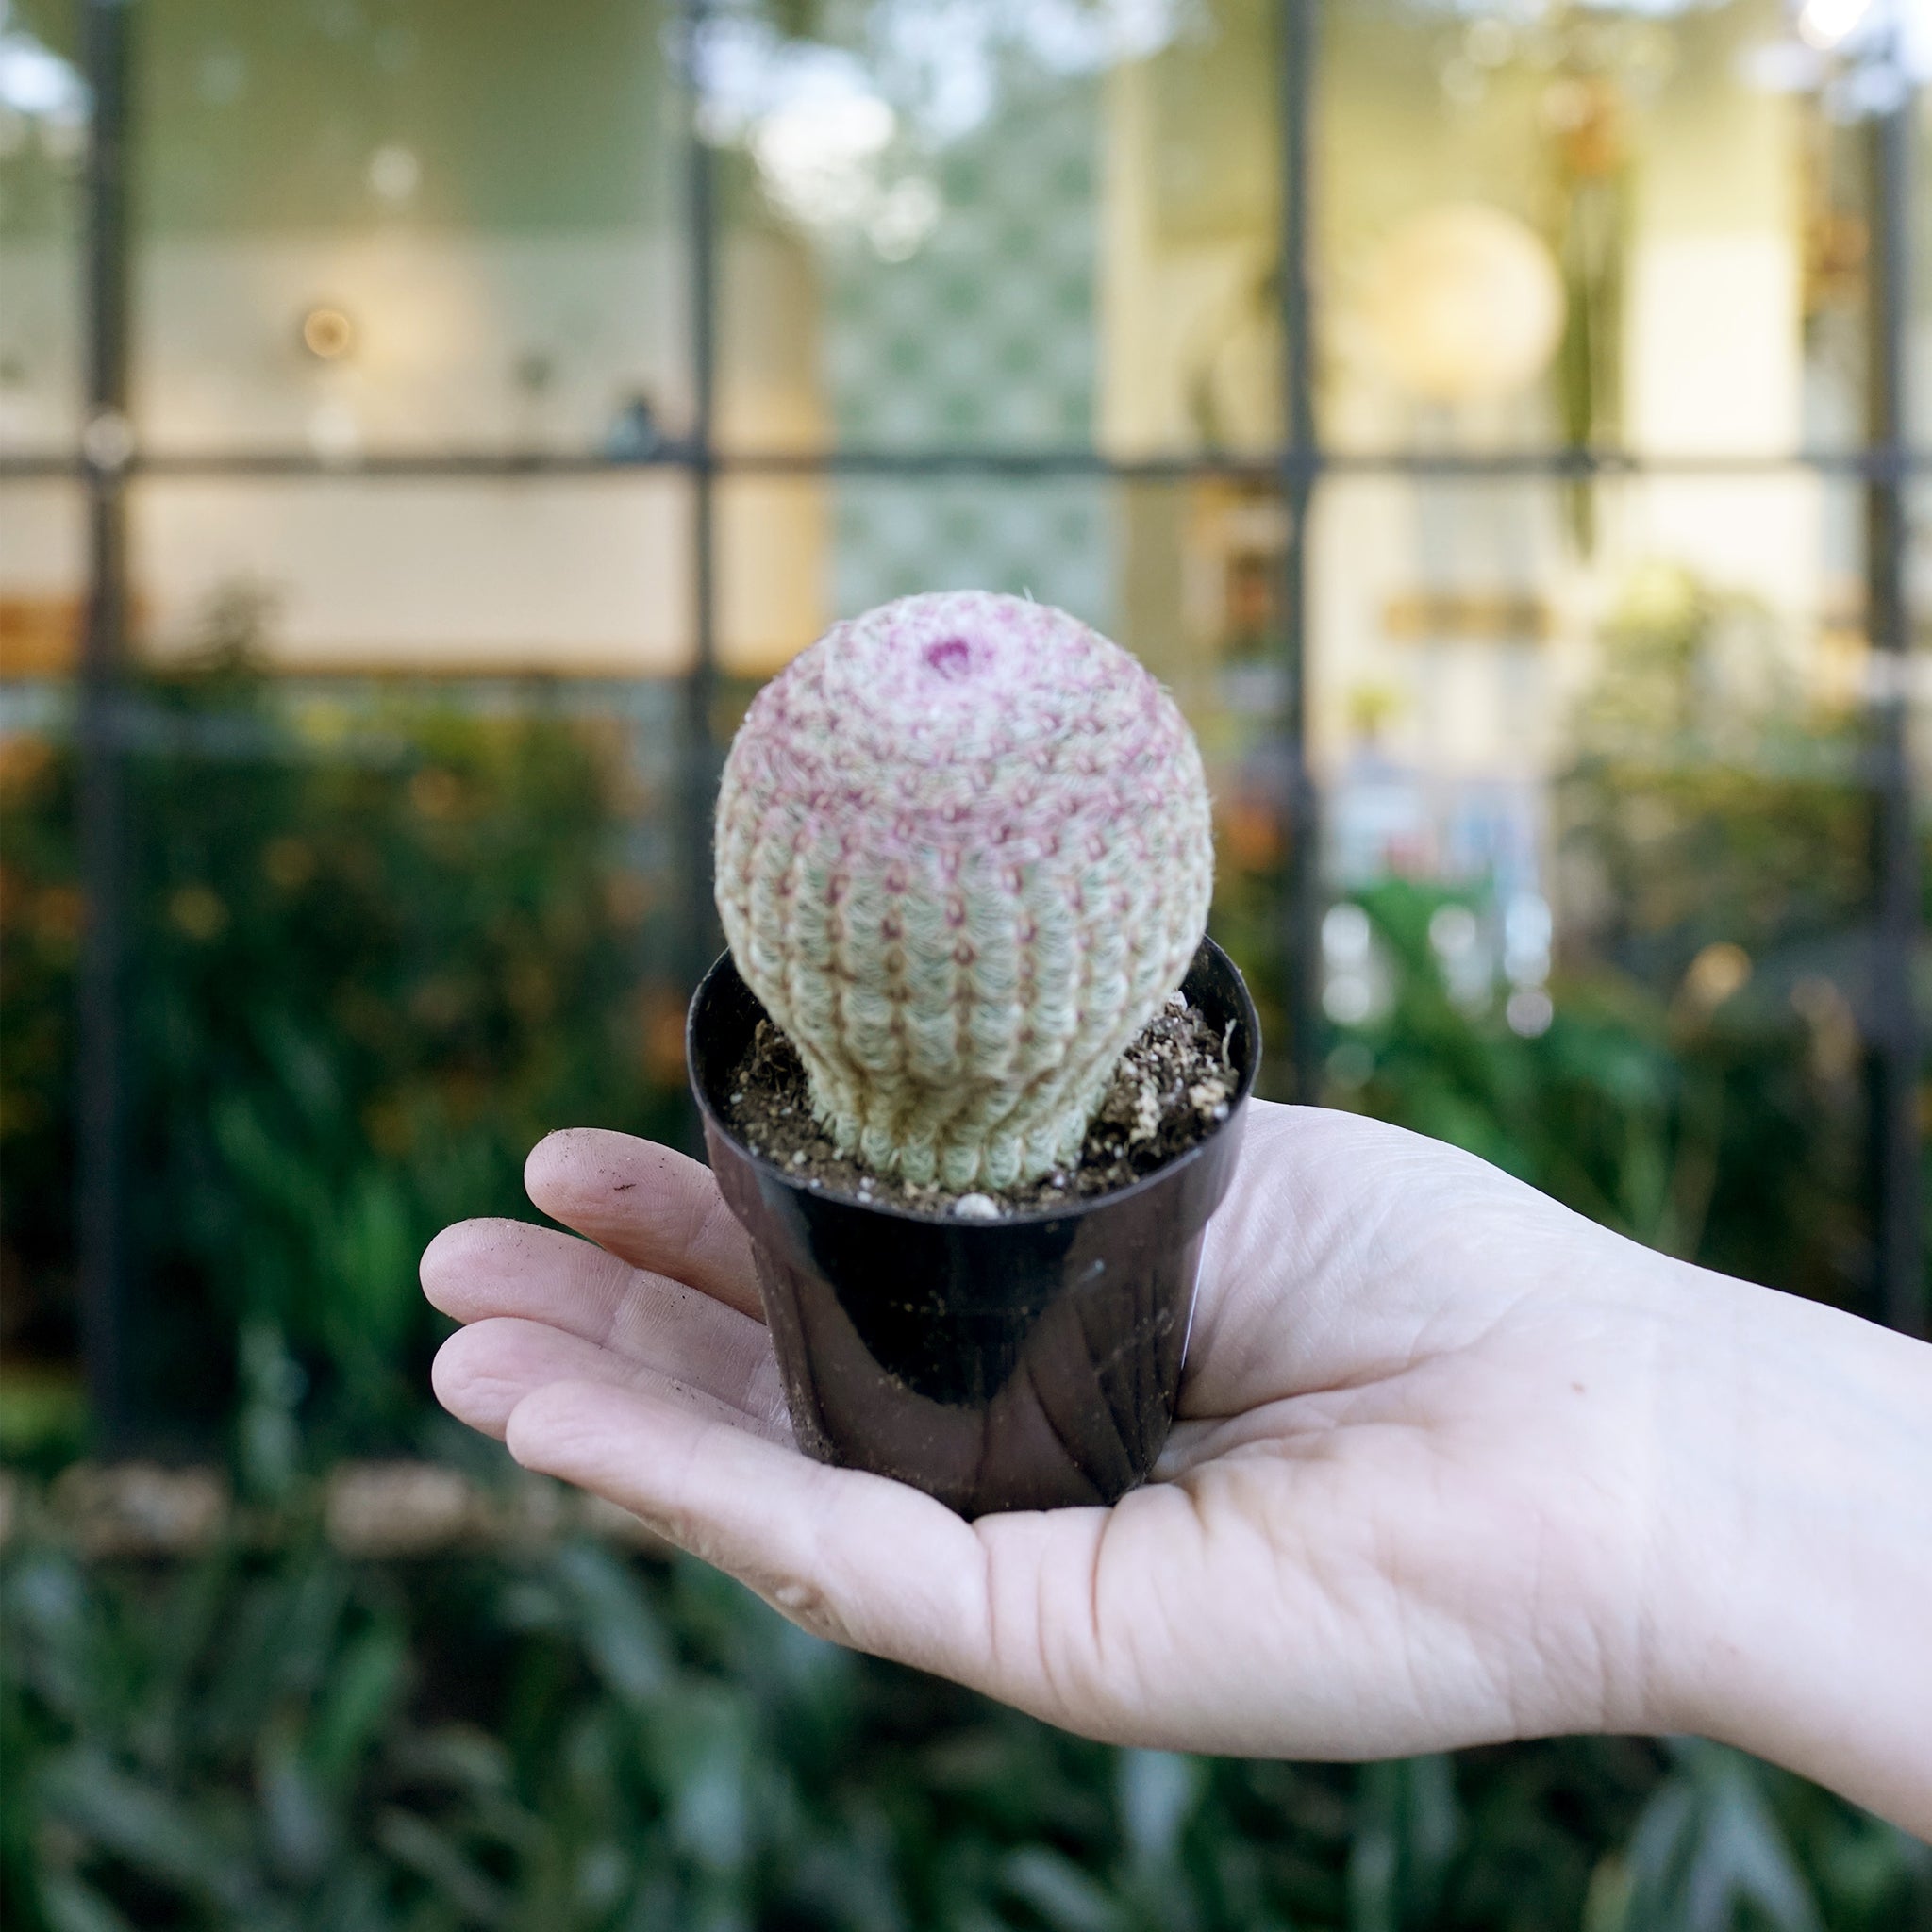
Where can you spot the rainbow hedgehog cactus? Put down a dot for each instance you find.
(963, 857)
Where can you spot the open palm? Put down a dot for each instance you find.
(1408, 1503)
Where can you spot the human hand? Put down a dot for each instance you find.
(1451, 1465)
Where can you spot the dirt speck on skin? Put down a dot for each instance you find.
(1172, 1088)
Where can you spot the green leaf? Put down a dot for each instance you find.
(1707, 1846)
(614, 1621)
(149, 1828)
(359, 1695)
(53, 1637)
(73, 1906)
(701, 1749)
(299, 1825)
(1408, 1825)
(1056, 1888)
(415, 1843)
(461, 1756)
(1158, 1792)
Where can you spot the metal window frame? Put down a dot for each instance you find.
(1895, 1049)
(1884, 467)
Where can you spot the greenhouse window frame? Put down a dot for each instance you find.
(107, 460)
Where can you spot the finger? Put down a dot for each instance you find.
(498, 1267)
(648, 1205)
(852, 1557)
(480, 1269)
(481, 1373)
(1045, 1610)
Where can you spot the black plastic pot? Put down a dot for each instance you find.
(1024, 1363)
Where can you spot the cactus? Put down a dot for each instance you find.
(963, 854)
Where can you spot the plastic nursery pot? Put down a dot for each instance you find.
(1024, 1364)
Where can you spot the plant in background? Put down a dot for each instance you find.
(963, 855)
(1706, 803)
(1697, 1087)
(562, 1736)
(1714, 835)
(384, 942)
(1706, 1130)
(42, 912)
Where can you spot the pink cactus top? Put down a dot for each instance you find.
(963, 854)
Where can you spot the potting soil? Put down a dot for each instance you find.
(1174, 1086)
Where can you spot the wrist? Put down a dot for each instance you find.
(1791, 1608)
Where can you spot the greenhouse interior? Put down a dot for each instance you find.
(1506, 428)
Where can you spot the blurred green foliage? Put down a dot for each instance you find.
(378, 944)
(1707, 800)
(1699, 1085)
(1727, 1134)
(565, 1737)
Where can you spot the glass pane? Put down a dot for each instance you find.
(1918, 386)
(425, 226)
(1598, 842)
(1199, 603)
(1919, 615)
(43, 112)
(43, 582)
(1032, 228)
(42, 577)
(386, 925)
(1624, 225)
(795, 554)
(389, 933)
(550, 574)
(1918, 699)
